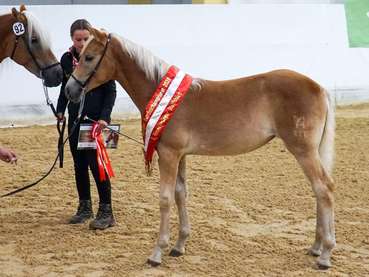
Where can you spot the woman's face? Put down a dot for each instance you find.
(79, 39)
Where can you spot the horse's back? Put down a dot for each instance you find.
(239, 115)
(276, 81)
(269, 92)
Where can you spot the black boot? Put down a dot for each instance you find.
(104, 218)
(84, 212)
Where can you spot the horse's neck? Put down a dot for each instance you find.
(5, 29)
(133, 79)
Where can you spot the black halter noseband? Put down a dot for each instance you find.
(85, 83)
(23, 36)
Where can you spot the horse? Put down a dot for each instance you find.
(221, 118)
(25, 42)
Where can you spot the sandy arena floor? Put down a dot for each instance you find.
(251, 215)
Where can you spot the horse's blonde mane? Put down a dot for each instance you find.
(154, 67)
(35, 26)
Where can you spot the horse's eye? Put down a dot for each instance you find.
(89, 58)
(34, 40)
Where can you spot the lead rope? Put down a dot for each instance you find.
(48, 100)
(60, 125)
(75, 124)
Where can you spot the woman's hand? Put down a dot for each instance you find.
(60, 117)
(102, 125)
(8, 156)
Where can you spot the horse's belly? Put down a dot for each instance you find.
(220, 142)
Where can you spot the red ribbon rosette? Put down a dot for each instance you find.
(103, 160)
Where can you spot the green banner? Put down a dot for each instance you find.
(357, 17)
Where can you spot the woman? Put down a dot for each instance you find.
(98, 106)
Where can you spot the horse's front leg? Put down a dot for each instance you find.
(180, 197)
(168, 166)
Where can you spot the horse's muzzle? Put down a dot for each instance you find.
(53, 76)
(73, 93)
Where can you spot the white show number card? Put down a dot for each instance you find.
(18, 28)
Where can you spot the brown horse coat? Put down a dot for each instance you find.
(222, 118)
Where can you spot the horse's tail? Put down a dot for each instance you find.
(326, 147)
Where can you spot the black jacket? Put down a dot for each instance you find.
(99, 102)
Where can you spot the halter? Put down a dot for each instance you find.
(85, 83)
(23, 36)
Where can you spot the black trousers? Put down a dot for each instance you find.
(84, 160)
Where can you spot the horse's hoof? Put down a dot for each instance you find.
(175, 253)
(153, 263)
(314, 252)
(323, 265)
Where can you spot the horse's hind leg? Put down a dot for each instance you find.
(323, 189)
(180, 197)
(316, 248)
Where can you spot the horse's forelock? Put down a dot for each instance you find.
(35, 26)
(90, 38)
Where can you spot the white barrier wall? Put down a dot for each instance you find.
(211, 41)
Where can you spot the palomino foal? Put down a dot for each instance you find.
(221, 118)
(24, 41)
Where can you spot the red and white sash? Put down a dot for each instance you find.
(161, 107)
(102, 157)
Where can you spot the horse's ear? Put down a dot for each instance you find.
(18, 15)
(22, 8)
(99, 35)
(15, 12)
